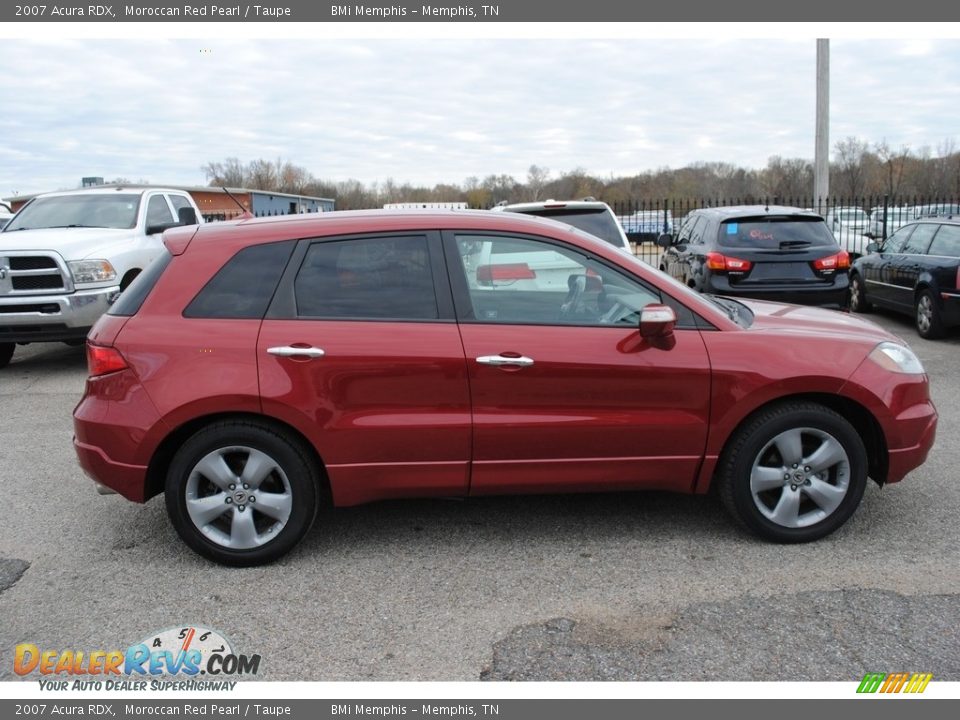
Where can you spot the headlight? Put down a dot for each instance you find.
(896, 358)
(92, 271)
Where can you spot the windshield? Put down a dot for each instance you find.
(774, 233)
(100, 210)
(852, 216)
(597, 222)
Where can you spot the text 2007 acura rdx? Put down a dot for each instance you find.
(261, 368)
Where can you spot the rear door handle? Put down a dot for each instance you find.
(289, 351)
(501, 360)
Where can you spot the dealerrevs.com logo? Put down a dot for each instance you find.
(186, 653)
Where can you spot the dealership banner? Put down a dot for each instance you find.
(538, 11)
(485, 708)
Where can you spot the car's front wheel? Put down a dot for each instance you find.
(242, 493)
(858, 295)
(794, 472)
(927, 314)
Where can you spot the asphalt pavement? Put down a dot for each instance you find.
(645, 586)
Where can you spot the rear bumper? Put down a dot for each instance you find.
(834, 295)
(127, 480)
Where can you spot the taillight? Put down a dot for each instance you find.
(840, 261)
(486, 274)
(102, 360)
(725, 263)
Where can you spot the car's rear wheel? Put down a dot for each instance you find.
(242, 493)
(793, 473)
(858, 295)
(6, 352)
(927, 315)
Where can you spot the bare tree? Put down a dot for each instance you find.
(262, 175)
(536, 179)
(849, 166)
(893, 162)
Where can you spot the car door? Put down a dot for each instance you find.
(361, 350)
(566, 394)
(877, 272)
(904, 267)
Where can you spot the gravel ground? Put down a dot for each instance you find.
(644, 586)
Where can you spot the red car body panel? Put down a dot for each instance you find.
(615, 412)
(398, 409)
(387, 407)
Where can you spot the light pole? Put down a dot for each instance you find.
(821, 161)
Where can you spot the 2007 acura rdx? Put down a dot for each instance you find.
(261, 368)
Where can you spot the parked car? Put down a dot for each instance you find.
(884, 221)
(647, 224)
(589, 215)
(916, 271)
(849, 226)
(260, 369)
(65, 256)
(761, 252)
(5, 217)
(942, 209)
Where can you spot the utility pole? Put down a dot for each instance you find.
(821, 161)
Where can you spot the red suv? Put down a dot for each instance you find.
(261, 368)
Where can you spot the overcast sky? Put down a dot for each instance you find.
(428, 111)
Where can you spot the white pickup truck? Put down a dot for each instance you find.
(66, 256)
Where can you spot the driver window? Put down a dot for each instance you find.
(158, 212)
(896, 241)
(529, 282)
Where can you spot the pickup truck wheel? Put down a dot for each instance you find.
(793, 473)
(242, 493)
(6, 352)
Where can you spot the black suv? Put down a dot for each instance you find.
(915, 271)
(760, 252)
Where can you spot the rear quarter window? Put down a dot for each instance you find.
(131, 299)
(774, 233)
(244, 286)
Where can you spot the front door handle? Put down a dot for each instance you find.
(502, 360)
(290, 351)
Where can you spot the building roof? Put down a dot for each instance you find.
(186, 188)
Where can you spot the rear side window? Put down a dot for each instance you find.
(132, 298)
(598, 222)
(947, 241)
(772, 233)
(367, 278)
(244, 286)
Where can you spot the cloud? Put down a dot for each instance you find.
(441, 111)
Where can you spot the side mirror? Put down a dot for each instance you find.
(159, 228)
(657, 321)
(187, 216)
(873, 247)
(665, 240)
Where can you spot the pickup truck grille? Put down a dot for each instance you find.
(31, 274)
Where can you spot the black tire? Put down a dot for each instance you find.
(6, 352)
(293, 481)
(752, 448)
(858, 295)
(926, 316)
